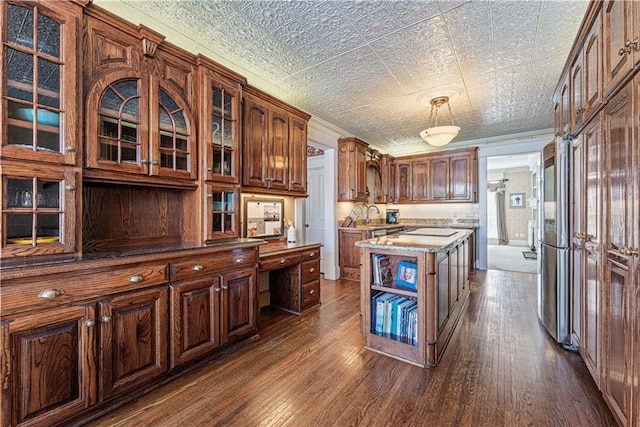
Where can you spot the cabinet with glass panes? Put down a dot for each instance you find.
(220, 97)
(40, 122)
(138, 106)
(222, 212)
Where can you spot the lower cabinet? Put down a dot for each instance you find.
(133, 340)
(48, 369)
(349, 255)
(211, 311)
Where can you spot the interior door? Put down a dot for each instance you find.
(314, 206)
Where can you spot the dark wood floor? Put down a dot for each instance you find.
(500, 369)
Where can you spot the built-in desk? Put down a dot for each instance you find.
(294, 274)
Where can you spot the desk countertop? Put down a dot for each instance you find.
(281, 246)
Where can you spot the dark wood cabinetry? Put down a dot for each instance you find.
(48, 368)
(352, 170)
(275, 145)
(133, 340)
(349, 254)
(606, 200)
(139, 94)
(621, 41)
(40, 123)
(219, 112)
(437, 178)
(622, 189)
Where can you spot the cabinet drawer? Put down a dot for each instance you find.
(191, 267)
(310, 270)
(51, 291)
(310, 294)
(311, 254)
(275, 262)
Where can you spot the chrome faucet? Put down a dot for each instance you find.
(367, 207)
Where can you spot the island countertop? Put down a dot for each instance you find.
(420, 240)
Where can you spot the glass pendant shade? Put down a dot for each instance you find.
(439, 135)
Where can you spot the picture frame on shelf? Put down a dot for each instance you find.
(516, 200)
(407, 275)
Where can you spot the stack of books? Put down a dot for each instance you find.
(381, 270)
(394, 316)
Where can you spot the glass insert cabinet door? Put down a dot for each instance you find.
(37, 212)
(39, 63)
(222, 212)
(223, 133)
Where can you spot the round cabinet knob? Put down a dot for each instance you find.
(144, 161)
(312, 291)
(106, 319)
(312, 254)
(239, 260)
(282, 261)
(70, 148)
(70, 187)
(136, 278)
(198, 267)
(216, 289)
(311, 270)
(51, 293)
(90, 323)
(155, 163)
(225, 287)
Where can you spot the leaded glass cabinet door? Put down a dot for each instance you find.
(117, 124)
(222, 212)
(221, 132)
(40, 116)
(173, 145)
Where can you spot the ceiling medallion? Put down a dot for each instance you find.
(439, 135)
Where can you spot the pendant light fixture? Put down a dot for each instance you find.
(439, 135)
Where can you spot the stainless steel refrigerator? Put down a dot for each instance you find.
(553, 229)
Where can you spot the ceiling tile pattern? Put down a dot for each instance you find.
(365, 65)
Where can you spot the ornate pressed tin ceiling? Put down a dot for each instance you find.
(370, 68)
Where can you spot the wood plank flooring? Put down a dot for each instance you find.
(500, 369)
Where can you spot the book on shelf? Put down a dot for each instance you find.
(394, 316)
(381, 270)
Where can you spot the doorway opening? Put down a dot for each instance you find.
(512, 205)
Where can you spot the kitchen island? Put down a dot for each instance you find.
(414, 286)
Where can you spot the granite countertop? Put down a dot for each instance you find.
(418, 240)
(377, 224)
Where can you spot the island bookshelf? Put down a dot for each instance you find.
(438, 301)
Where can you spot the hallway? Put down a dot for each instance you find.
(500, 369)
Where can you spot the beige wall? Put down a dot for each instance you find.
(517, 218)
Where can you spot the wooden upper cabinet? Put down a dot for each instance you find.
(387, 164)
(275, 136)
(436, 178)
(139, 98)
(220, 97)
(41, 114)
(586, 77)
(422, 174)
(403, 191)
(621, 40)
(298, 155)
(352, 170)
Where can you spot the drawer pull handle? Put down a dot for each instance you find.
(106, 319)
(311, 270)
(136, 278)
(90, 323)
(51, 293)
(239, 260)
(282, 261)
(198, 267)
(311, 292)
